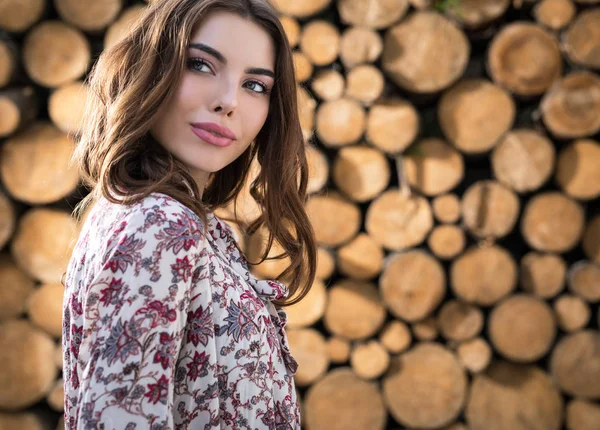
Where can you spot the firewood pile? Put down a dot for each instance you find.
(454, 151)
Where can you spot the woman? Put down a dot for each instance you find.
(164, 327)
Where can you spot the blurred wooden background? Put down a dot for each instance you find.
(455, 173)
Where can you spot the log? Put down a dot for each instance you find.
(123, 25)
(395, 336)
(572, 312)
(361, 258)
(574, 364)
(522, 328)
(318, 169)
(20, 15)
(27, 370)
(425, 53)
(43, 243)
(341, 400)
(35, 165)
(369, 360)
(9, 58)
(552, 222)
(523, 160)
(426, 329)
(268, 269)
(412, 285)
(364, 83)
(66, 106)
(421, 4)
(325, 263)
(434, 167)
(489, 209)
(542, 275)
(320, 42)
(582, 415)
(55, 53)
(446, 208)
(476, 14)
(310, 309)
(392, 125)
(328, 84)
(23, 421)
(524, 58)
(8, 219)
(56, 397)
(425, 387)
(303, 68)
(58, 356)
(88, 15)
(18, 107)
(571, 108)
(591, 239)
(334, 219)
(459, 321)
(298, 9)
(359, 45)
(15, 288)
(475, 355)
(373, 14)
(361, 172)
(474, 114)
(483, 275)
(583, 280)
(309, 348)
(446, 241)
(397, 222)
(581, 41)
(354, 310)
(306, 112)
(338, 349)
(44, 307)
(292, 29)
(513, 396)
(577, 172)
(340, 122)
(554, 14)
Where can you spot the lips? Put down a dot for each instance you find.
(211, 138)
(215, 128)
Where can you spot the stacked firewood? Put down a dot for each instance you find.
(454, 151)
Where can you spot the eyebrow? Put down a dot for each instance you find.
(222, 59)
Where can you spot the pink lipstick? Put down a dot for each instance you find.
(213, 133)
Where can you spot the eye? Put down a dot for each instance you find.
(265, 89)
(197, 63)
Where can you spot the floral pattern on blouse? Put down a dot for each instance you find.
(166, 329)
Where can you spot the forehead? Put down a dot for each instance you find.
(240, 40)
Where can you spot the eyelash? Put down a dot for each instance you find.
(199, 61)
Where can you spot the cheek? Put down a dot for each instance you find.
(188, 93)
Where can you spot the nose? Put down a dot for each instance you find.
(226, 99)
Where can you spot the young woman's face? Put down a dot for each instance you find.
(228, 78)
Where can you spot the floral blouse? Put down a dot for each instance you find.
(165, 330)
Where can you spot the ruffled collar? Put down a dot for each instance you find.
(221, 234)
(267, 289)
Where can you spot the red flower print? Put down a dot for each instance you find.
(197, 365)
(200, 326)
(166, 351)
(110, 294)
(158, 392)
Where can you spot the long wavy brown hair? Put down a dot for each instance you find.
(120, 160)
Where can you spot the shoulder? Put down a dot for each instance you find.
(157, 218)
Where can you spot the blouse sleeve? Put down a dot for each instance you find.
(136, 311)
